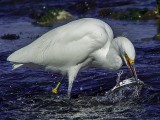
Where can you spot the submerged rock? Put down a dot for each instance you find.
(130, 14)
(10, 36)
(157, 37)
(158, 7)
(141, 14)
(52, 16)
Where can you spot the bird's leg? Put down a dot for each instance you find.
(55, 90)
(69, 93)
(118, 78)
(72, 73)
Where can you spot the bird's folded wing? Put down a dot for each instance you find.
(70, 43)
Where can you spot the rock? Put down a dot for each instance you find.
(52, 16)
(151, 14)
(130, 14)
(157, 37)
(158, 7)
(10, 36)
(137, 14)
(63, 15)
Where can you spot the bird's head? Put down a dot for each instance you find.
(127, 53)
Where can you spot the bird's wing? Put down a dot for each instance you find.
(70, 43)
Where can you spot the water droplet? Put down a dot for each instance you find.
(81, 88)
(100, 88)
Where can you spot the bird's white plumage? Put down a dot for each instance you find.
(79, 44)
(125, 45)
(67, 45)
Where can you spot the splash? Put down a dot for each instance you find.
(124, 90)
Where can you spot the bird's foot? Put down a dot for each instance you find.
(55, 90)
(69, 105)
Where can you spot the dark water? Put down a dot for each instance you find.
(26, 93)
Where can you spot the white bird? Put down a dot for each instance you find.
(75, 46)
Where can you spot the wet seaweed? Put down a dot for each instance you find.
(53, 16)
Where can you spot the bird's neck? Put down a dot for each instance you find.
(107, 57)
(114, 60)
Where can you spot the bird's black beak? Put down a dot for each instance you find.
(133, 71)
(131, 66)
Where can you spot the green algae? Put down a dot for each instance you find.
(130, 14)
(52, 16)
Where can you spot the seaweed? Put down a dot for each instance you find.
(129, 14)
(52, 16)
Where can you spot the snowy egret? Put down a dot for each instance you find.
(75, 46)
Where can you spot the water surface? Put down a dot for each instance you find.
(25, 93)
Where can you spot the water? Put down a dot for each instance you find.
(26, 93)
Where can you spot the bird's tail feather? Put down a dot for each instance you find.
(15, 66)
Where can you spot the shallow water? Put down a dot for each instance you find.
(26, 93)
